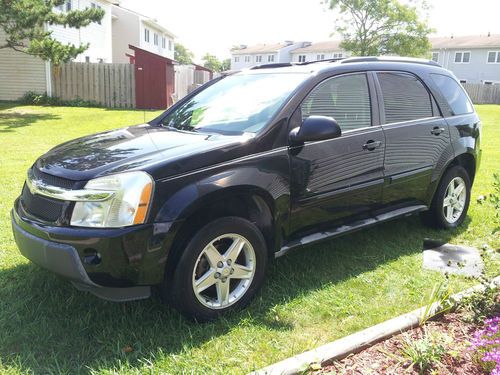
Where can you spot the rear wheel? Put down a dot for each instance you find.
(451, 201)
(221, 269)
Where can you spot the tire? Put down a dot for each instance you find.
(457, 204)
(230, 284)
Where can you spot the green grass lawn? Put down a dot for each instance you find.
(312, 296)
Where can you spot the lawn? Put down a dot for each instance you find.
(312, 296)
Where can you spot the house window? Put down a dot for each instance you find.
(236, 59)
(320, 57)
(170, 45)
(163, 42)
(337, 55)
(66, 6)
(87, 59)
(463, 81)
(258, 58)
(462, 57)
(247, 58)
(155, 38)
(270, 58)
(493, 57)
(435, 56)
(95, 6)
(302, 58)
(146, 35)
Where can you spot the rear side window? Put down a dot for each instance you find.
(345, 98)
(454, 94)
(405, 97)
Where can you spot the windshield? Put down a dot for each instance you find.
(236, 104)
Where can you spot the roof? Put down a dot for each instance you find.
(259, 48)
(326, 46)
(147, 20)
(469, 41)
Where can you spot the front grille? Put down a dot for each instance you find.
(49, 179)
(41, 207)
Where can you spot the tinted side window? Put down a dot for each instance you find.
(345, 98)
(405, 97)
(454, 94)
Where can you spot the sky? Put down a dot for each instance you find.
(216, 25)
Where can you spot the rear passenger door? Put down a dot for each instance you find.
(416, 136)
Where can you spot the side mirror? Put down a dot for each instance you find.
(315, 128)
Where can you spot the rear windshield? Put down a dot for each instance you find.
(237, 104)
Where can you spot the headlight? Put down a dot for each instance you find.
(128, 206)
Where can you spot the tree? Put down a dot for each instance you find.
(183, 55)
(381, 27)
(24, 23)
(225, 65)
(213, 63)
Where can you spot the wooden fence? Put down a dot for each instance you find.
(110, 85)
(483, 94)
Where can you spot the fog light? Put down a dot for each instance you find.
(91, 256)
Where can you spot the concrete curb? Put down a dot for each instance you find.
(360, 340)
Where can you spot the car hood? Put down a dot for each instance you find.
(159, 151)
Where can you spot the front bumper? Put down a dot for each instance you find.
(120, 276)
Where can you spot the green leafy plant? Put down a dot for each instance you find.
(477, 306)
(438, 302)
(34, 98)
(426, 352)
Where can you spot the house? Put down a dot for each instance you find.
(246, 56)
(473, 59)
(20, 72)
(132, 28)
(97, 34)
(329, 49)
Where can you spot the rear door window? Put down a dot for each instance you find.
(454, 94)
(405, 97)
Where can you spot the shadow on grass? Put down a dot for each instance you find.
(15, 119)
(46, 326)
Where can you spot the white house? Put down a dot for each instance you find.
(329, 49)
(97, 34)
(473, 59)
(130, 27)
(247, 56)
(20, 72)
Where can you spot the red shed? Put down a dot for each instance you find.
(154, 79)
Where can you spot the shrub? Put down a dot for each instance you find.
(34, 98)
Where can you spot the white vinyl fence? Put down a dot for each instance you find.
(187, 78)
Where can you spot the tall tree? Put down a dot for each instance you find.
(213, 63)
(25, 21)
(183, 55)
(378, 27)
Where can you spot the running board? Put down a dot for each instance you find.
(344, 229)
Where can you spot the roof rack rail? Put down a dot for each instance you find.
(272, 65)
(411, 60)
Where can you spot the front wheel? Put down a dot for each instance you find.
(221, 269)
(451, 201)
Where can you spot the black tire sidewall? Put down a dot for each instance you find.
(183, 295)
(437, 205)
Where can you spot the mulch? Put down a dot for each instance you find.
(385, 357)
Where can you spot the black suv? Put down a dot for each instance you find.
(244, 169)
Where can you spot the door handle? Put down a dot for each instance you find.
(372, 145)
(437, 130)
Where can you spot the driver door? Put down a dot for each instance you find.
(335, 180)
